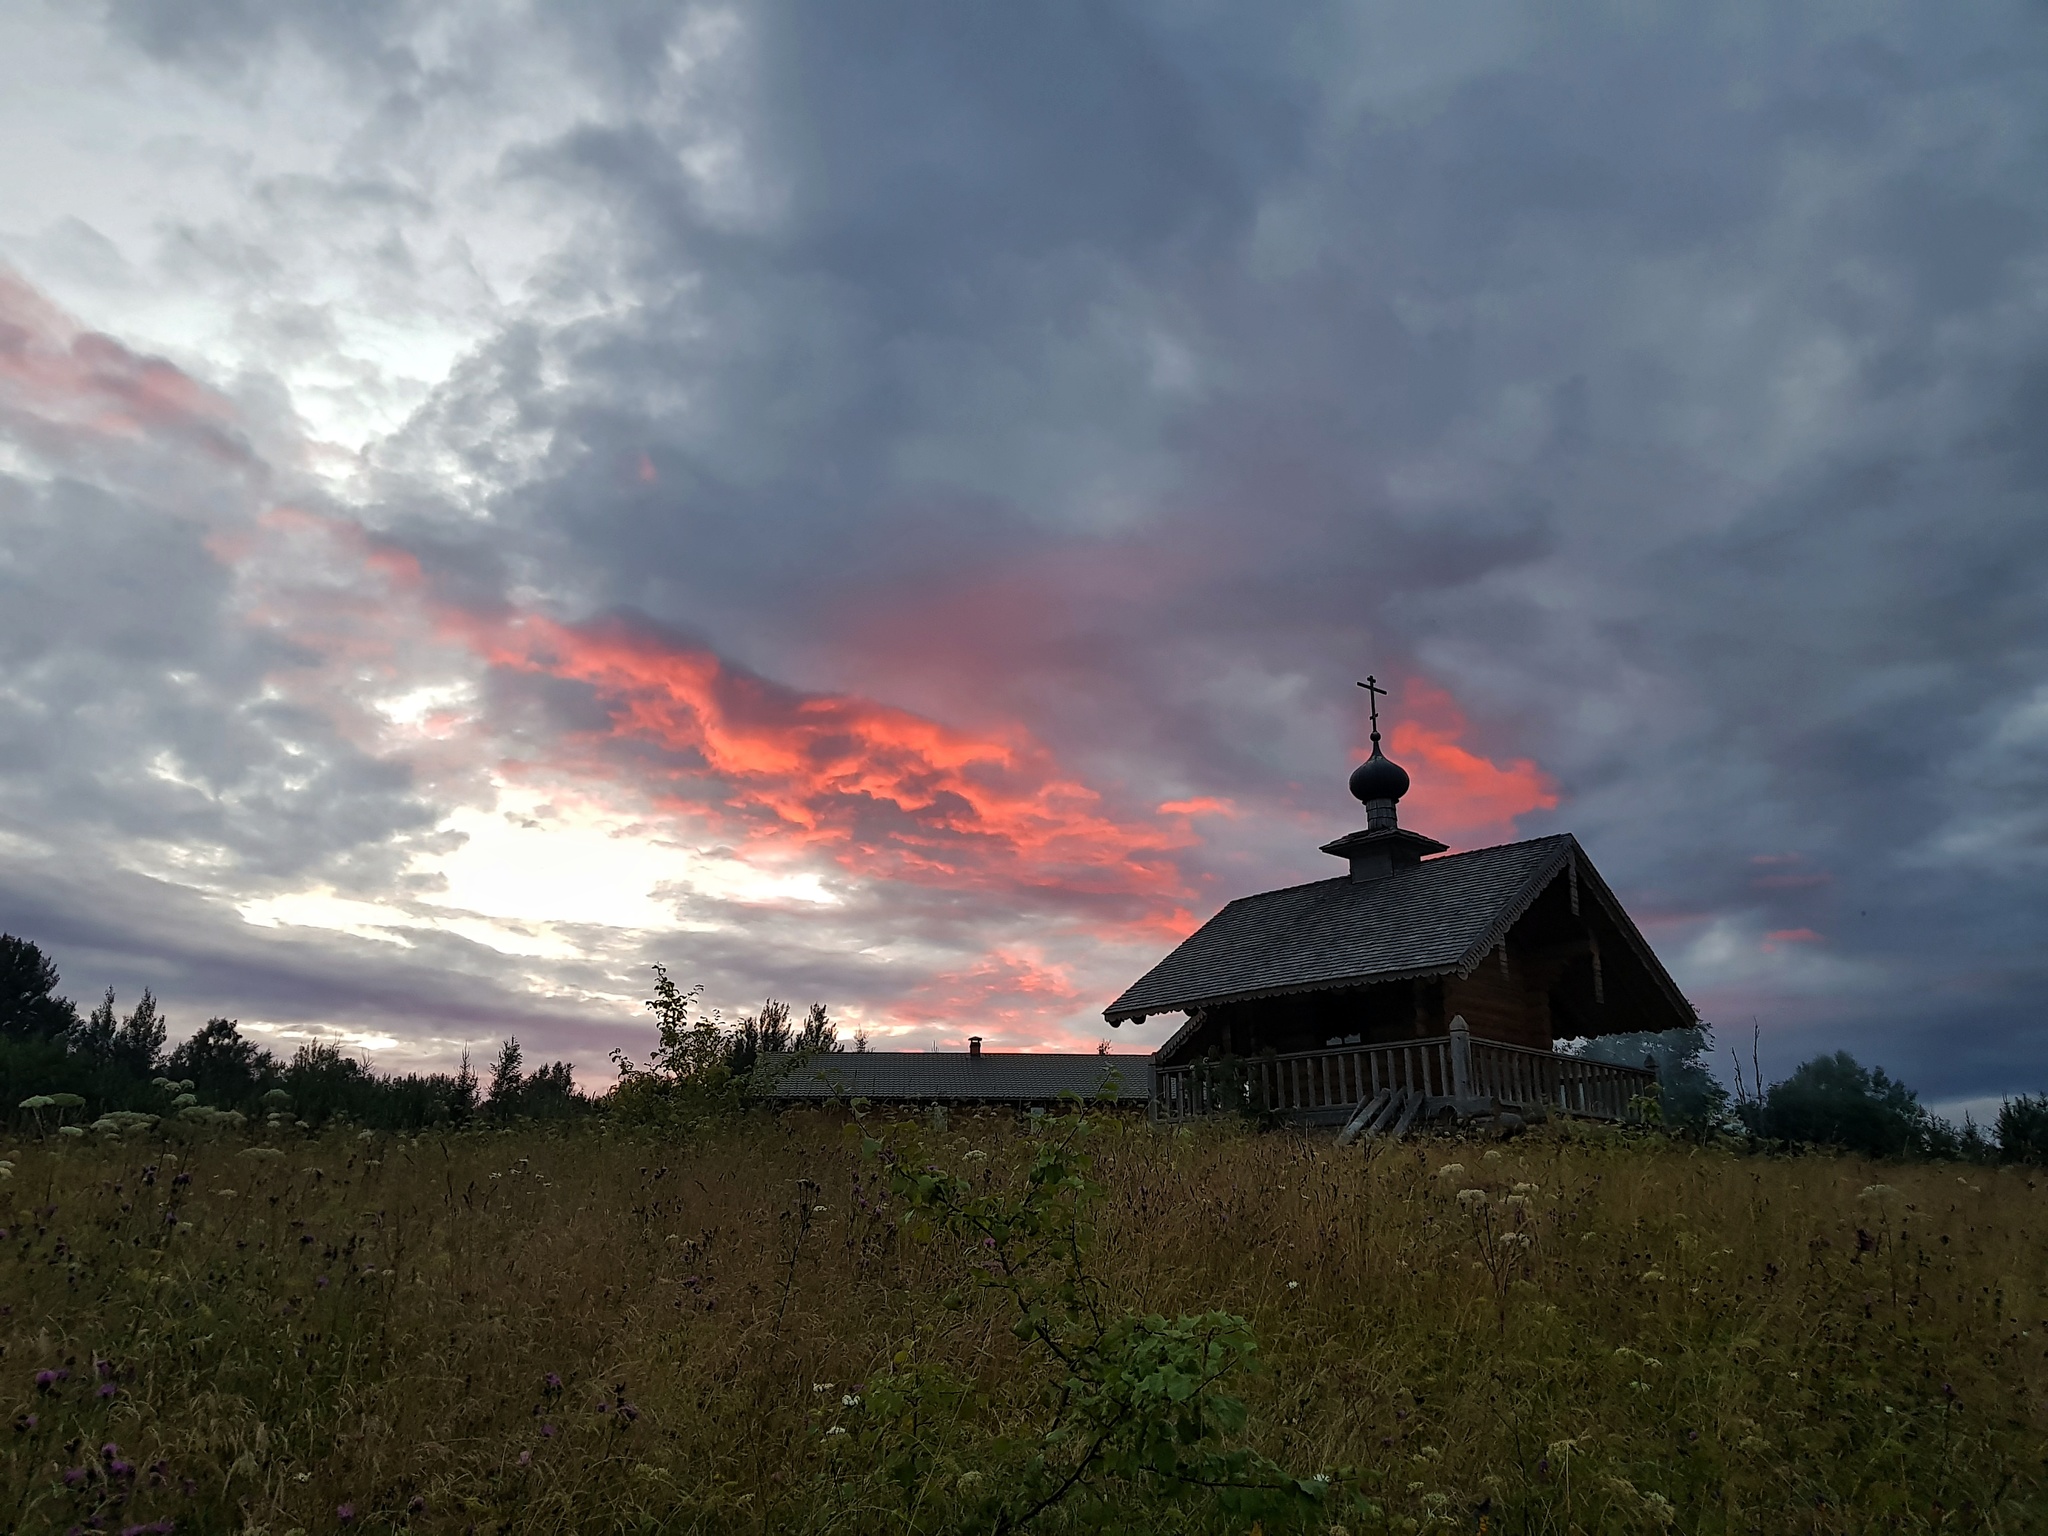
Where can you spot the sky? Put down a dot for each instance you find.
(887, 505)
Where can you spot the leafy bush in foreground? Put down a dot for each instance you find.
(1133, 1414)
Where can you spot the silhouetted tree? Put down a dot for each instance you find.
(225, 1068)
(93, 1040)
(139, 1043)
(503, 1098)
(549, 1090)
(818, 1032)
(1835, 1101)
(758, 1034)
(29, 1006)
(323, 1082)
(2023, 1129)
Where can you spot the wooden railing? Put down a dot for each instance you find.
(1573, 1085)
(1325, 1086)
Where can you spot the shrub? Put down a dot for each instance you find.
(1836, 1101)
(1689, 1095)
(2023, 1129)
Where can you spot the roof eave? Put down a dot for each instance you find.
(1513, 910)
(1331, 984)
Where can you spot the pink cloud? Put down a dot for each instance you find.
(1459, 794)
(1778, 936)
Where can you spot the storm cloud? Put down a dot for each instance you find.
(888, 505)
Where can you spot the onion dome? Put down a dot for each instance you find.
(1379, 777)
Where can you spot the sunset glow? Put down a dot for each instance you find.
(894, 515)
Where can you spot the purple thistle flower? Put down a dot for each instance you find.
(118, 1468)
(73, 1476)
(104, 1367)
(321, 1283)
(551, 1382)
(417, 1505)
(46, 1381)
(345, 1513)
(110, 1450)
(26, 1422)
(547, 1431)
(106, 1390)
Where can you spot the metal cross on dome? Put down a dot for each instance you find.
(1373, 690)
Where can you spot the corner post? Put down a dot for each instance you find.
(1461, 1059)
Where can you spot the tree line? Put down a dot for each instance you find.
(1832, 1100)
(110, 1062)
(702, 1066)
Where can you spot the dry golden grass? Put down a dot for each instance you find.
(1687, 1341)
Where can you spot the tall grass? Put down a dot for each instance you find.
(574, 1328)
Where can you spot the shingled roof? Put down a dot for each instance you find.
(1439, 916)
(950, 1077)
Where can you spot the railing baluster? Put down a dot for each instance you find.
(1304, 1082)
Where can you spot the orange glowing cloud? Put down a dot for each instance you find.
(1202, 805)
(1457, 791)
(882, 791)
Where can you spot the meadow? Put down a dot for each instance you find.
(791, 1325)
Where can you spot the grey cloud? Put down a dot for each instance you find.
(1492, 290)
(1666, 390)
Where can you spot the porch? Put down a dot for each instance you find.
(1370, 1090)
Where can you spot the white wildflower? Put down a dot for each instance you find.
(1451, 1171)
(1471, 1199)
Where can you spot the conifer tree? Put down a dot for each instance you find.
(505, 1080)
(138, 1044)
(29, 1006)
(93, 1040)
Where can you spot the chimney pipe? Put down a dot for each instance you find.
(974, 1047)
